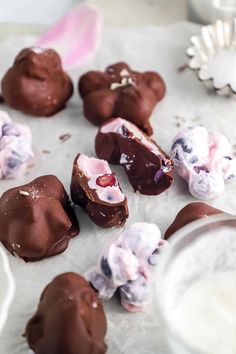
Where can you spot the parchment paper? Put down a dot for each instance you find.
(161, 49)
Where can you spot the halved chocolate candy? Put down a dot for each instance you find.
(96, 189)
(148, 167)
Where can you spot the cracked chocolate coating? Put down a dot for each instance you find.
(148, 173)
(36, 83)
(36, 219)
(102, 213)
(189, 213)
(104, 96)
(69, 319)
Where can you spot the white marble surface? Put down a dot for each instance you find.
(186, 103)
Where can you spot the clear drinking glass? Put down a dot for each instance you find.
(208, 11)
(200, 249)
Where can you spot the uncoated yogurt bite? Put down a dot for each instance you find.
(15, 147)
(205, 160)
(96, 189)
(126, 264)
(148, 168)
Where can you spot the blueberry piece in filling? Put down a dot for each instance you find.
(125, 131)
(13, 162)
(106, 268)
(193, 160)
(198, 169)
(152, 260)
(184, 144)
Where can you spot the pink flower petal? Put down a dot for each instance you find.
(76, 36)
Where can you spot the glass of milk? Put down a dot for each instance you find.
(196, 287)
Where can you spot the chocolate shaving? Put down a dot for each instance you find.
(46, 152)
(65, 137)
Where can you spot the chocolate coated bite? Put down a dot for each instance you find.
(69, 319)
(189, 213)
(36, 219)
(148, 167)
(121, 92)
(96, 189)
(36, 83)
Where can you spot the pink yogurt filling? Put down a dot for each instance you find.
(116, 126)
(101, 179)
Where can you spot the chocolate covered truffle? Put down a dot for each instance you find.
(96, 189)
(36, 83)
(69, 319)
(189, 213)
(121, 92)
(148, 167)
(36, 219)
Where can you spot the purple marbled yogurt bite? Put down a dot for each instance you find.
(126, 264)
(15, 147)
(205, 160)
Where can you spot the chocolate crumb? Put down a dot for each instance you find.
(46, 152)
(31, 165)
(182, 68)
(180, 118)
(64, 137)
(178, 125)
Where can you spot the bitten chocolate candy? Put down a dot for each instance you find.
(189, 213)
(96, 189)
(69, 319)
(36, 83)
(121, 92)
(148, 167)
(36, 219)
